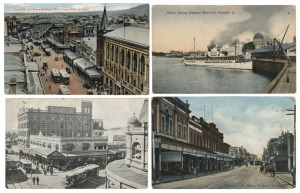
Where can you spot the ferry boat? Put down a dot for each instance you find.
(229, 62)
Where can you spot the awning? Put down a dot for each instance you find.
(93, 73)
(98, 144)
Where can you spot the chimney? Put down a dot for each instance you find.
(219, 52)
(13, 86)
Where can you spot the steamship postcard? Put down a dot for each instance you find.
(224, 49)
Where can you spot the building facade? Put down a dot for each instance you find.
(11, 26)
(123, 57)
(184, 144)
(56, 121)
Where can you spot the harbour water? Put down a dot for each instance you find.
(170, 75)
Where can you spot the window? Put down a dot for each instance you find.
(116, 53)
(128, 59)
(136, 150)
(122, 57)
(179, 132)
(135, 62)
(142, 69)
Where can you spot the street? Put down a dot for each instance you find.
(18, 180)
(238, 178)
(76, 84)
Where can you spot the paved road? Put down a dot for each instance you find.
(239, 178)
(76, 84)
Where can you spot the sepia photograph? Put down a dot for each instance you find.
(223, 142)
(228, 49)
(76, 49)
(76, 144)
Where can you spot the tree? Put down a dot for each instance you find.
(248, 46)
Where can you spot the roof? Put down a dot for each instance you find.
(12, 48)
(133, 35)
(81, 169)
(35, 83)
(144, 112)
(91, 42)
(32, 66)
(83, 63)
(93, 73)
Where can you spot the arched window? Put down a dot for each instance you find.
(122, 57)
(142, 65)
(112, 53)
(116, 53)
(107, 51)
(136, 150)
(135, 62)
(128, 59)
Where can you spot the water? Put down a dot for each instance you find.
(172, 76)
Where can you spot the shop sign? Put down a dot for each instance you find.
(173, 156)
(172, 147)
(165, 146)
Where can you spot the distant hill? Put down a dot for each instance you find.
(138, 10)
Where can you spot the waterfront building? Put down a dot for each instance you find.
(259, 42)
(132, 172)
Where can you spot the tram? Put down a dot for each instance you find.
(79, 174)
(25, 165)
(55, 75)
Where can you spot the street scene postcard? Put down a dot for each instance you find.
(223, 142)
(223, 49)
(95, 49)
(76, 144)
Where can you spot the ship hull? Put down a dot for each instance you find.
(232, 65)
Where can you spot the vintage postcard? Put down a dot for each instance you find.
(100, 49)
(223, 142)
(224, 49)
(76, 143)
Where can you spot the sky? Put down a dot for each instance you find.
(175, 26)
(113, 112)
(246, 121)
(65, 7)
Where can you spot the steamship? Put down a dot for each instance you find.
(218, 61)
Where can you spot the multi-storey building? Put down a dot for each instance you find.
(11, 26)
(55, 121)
(183, 144)
(123, 57)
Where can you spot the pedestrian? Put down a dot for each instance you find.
(31, 173)
(37, 180)
(45, 172)
(33, 180)
(49, 86)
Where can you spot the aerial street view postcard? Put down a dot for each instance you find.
(76, 143)
(97, 49)
(224, 49)
(223, 142)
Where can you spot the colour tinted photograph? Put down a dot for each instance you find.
(224, 49)
(94, 49)
(223, 142)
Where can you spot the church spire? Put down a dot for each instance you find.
(104, 21)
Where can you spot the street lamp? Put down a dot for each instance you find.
(294, 154)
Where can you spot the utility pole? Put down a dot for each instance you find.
(294, 153)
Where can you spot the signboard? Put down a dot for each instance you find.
(119, 138)
(173, 156)
(172, 147)
(55, 155)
